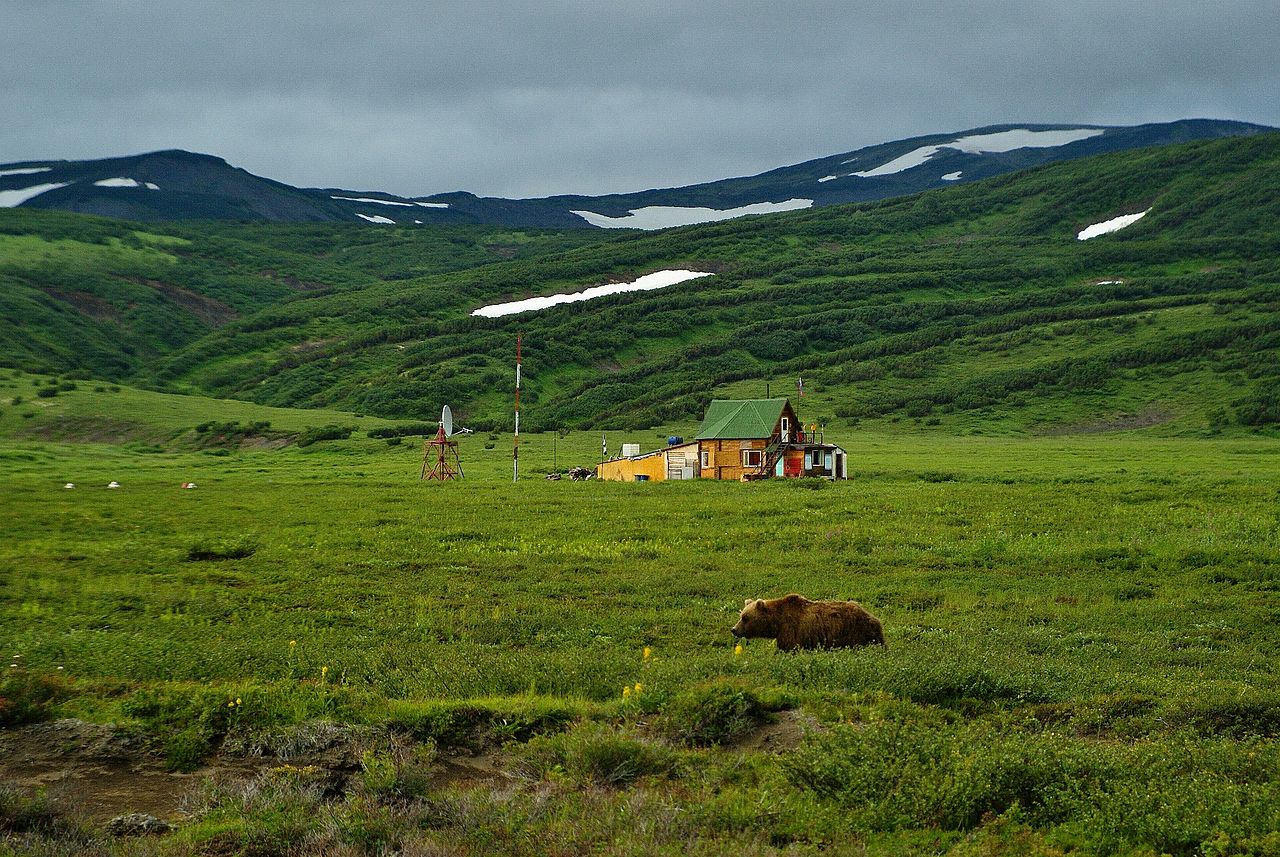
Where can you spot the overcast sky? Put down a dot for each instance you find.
(519, 98)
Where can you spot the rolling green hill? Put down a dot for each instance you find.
(108, 297)
(973, 307)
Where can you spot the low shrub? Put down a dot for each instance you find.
(474, 725)
(711, 716)
(22, 816)
(28, 698)
(1235, 718)
(595, 754)
(410, 429)
(1103, 797)
(314, 434)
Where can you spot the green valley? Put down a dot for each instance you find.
(971, 306)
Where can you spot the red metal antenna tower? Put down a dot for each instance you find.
(440, 454)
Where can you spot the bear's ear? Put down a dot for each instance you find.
(760, 605)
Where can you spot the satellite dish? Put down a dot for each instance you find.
(446, 421)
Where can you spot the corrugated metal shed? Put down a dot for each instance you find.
(745, 418)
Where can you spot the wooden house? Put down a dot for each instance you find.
(759, 438)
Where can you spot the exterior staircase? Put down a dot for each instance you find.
(772, 453)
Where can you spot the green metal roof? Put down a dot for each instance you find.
(729, 419)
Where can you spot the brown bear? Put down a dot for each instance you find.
(798, 623)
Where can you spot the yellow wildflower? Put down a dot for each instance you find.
(737, 650)
(647, 653)
(639, 687)
(626, 691)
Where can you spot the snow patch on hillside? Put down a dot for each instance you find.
(11, 198)
(656, 280)
(1112, 225)
(665, 216)
(390, 201)
(375, 218)
(371, 199)
(951, 177)
(1022, 138)
(24, 171)
(120, 181)
(977, 144)
(914, 158)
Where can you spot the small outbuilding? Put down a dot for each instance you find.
(676, 461)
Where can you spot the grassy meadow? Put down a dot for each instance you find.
(1082, 636)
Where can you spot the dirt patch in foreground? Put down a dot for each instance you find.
(98, 772)
(785, 733)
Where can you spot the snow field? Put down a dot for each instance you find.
(656, 280)
(125, 182)
(390, 201)
(1112, 225)
(977, 144)
(665, 216)
(11, 198)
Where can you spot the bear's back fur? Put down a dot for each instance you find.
(798, 623)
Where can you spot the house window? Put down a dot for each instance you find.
(786, 430)
(706, 456)
(808, 461)
(827, 462)
(752, 458)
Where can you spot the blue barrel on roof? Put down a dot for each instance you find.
(672, 440)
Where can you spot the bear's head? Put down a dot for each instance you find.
(755, 620)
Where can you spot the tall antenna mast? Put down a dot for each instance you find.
(515, 450)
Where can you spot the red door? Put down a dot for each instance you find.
(793, 465)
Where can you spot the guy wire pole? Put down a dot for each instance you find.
(515, 450)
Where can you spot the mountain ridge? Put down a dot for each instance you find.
(174, 184)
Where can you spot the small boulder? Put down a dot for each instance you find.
(137, 824)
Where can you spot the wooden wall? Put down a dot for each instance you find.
(724, 457)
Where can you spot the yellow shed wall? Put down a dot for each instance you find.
(626, 469)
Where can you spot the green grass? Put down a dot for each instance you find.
(1081, 634)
